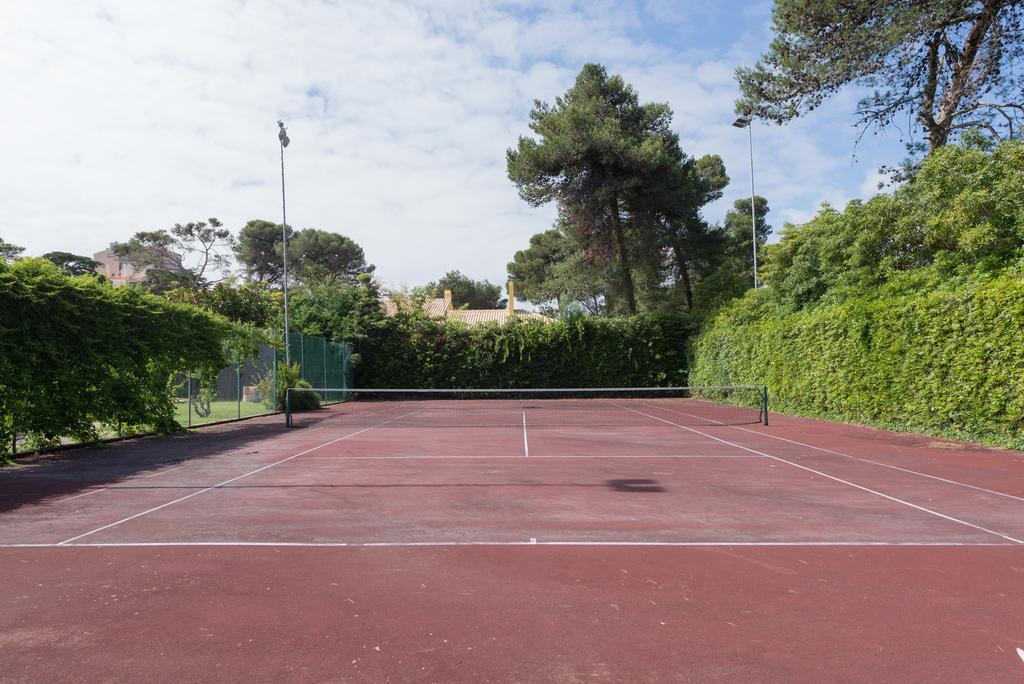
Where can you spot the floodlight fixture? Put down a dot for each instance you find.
(282, 136)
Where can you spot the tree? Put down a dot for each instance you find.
(163, 280)
(948, 65)
(341, 312)
(153, 252)
(672, 204)
(9, 252)
(597, 147)
(319, 253)
(670, 241)
(737, 224)
(208, 241)
(250, 302)
(732, 267)
(960, 217)
(466, 292)
(312, 254)
(552, 269)
(72, 264)
(161, 254)
(258, 250)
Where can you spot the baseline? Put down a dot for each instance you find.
(533, 541)
(454, 457)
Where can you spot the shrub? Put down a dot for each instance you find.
(305, 401)
(76, 354)
(289, 377)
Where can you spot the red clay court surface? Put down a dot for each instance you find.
(667, 543)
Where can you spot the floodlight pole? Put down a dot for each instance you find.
(282, 136)
(753, 209)
(748, 123)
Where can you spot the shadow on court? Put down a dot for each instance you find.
(68, 472)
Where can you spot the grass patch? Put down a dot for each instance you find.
(219, 410)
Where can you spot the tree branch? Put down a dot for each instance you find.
(927, 113)
(977, 124)
(961, 73)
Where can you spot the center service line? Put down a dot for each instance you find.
(526, 443)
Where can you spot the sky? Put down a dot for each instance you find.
(136, 115)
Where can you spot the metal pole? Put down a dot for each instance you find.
(753, 211)
(284, 251)
(189, 379)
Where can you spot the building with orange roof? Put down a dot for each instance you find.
(441, 307)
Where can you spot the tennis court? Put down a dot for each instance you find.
(566, 537)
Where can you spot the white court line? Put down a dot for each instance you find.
(160, 472)
(531, 542)
(526, 443)
(79, 496)
(517, 457)
(225, 482)
(855, 458)
(832, 477)
(103, 489)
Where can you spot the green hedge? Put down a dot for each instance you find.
(946, 359)
(77, 354)
(416, 352)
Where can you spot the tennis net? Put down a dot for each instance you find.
(595, 407)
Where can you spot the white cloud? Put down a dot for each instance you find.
(797, 216)
(129, 116)
(869, 188)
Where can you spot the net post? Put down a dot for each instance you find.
(188, 379)
(764, 404)
(273, 400)
(238, 387)
(288, 407)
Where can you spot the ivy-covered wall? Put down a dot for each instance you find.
(414, 351)
(946, 360)
(77, 354)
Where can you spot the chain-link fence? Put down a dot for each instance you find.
(251, 388)
(322, 363)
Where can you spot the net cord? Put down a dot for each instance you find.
(760, 389)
